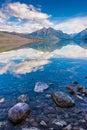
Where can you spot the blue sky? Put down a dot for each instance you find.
(26, 16)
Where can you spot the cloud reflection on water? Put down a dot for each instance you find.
(28, 60)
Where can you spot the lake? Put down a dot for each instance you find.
(59, 63)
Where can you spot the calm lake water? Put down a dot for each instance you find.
(59, 63)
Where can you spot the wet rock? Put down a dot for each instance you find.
(79, 98)
(2, 123)
(75, 82)
(32, 120)
(63, 100)
(77, 128)
(43, 123)
(59, 122)
(2, 100)
(72, 89)
(40, 87)
(68, 127)
(18, 112)
(51, 128)
(23, 98)
(77, 111)
(51, 84)
(82, 121)
(86, 117)
(86, 77)
(39, 118)
(34, 124)
(48, 96)
(31, 128)
(83, 91)
(50, 116)
(49, 110)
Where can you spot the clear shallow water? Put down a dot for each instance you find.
(58, 63)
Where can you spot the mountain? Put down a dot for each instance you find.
(81, 35)
(49, 33)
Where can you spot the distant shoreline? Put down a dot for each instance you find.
(11, 41)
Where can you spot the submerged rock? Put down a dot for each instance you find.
(48, 96)
(23, 98)
(72, 89)
(40, 87)
(83, 91)
(75, 82)
(43, 123)
(2, 100)
(77, 90)
(68, 127)
(59, 122)
(86, 77)
(79, 98)
(63, 100)
(31, 128)
(18, 112)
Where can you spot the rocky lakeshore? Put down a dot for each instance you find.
(48, 110)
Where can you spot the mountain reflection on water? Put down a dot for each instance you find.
(33, 57)
(50, 62)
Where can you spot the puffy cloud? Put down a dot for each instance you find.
(29, 18)
(28, 12)
(2, 17)
(73, 25)
(20, 28)
(24, 11)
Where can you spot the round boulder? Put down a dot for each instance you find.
(23, 98)
(18, 112)
(63, 100)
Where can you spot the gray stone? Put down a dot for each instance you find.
(68, 127)
(84, 91)
(31, 128)
(2, 100)
(59, 122)
(43, 123)
(48, 96)
(18, 112)
(63, 100)
(23, 98)
(40, 87)
(79, 98)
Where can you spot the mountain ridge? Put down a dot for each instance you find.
(49, 33)
(81, 35)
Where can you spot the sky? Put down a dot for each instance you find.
(26, 16)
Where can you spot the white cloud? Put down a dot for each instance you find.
(18, 27)
(73, 25)
(29, 19)
(27, 12)
(2, 17)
